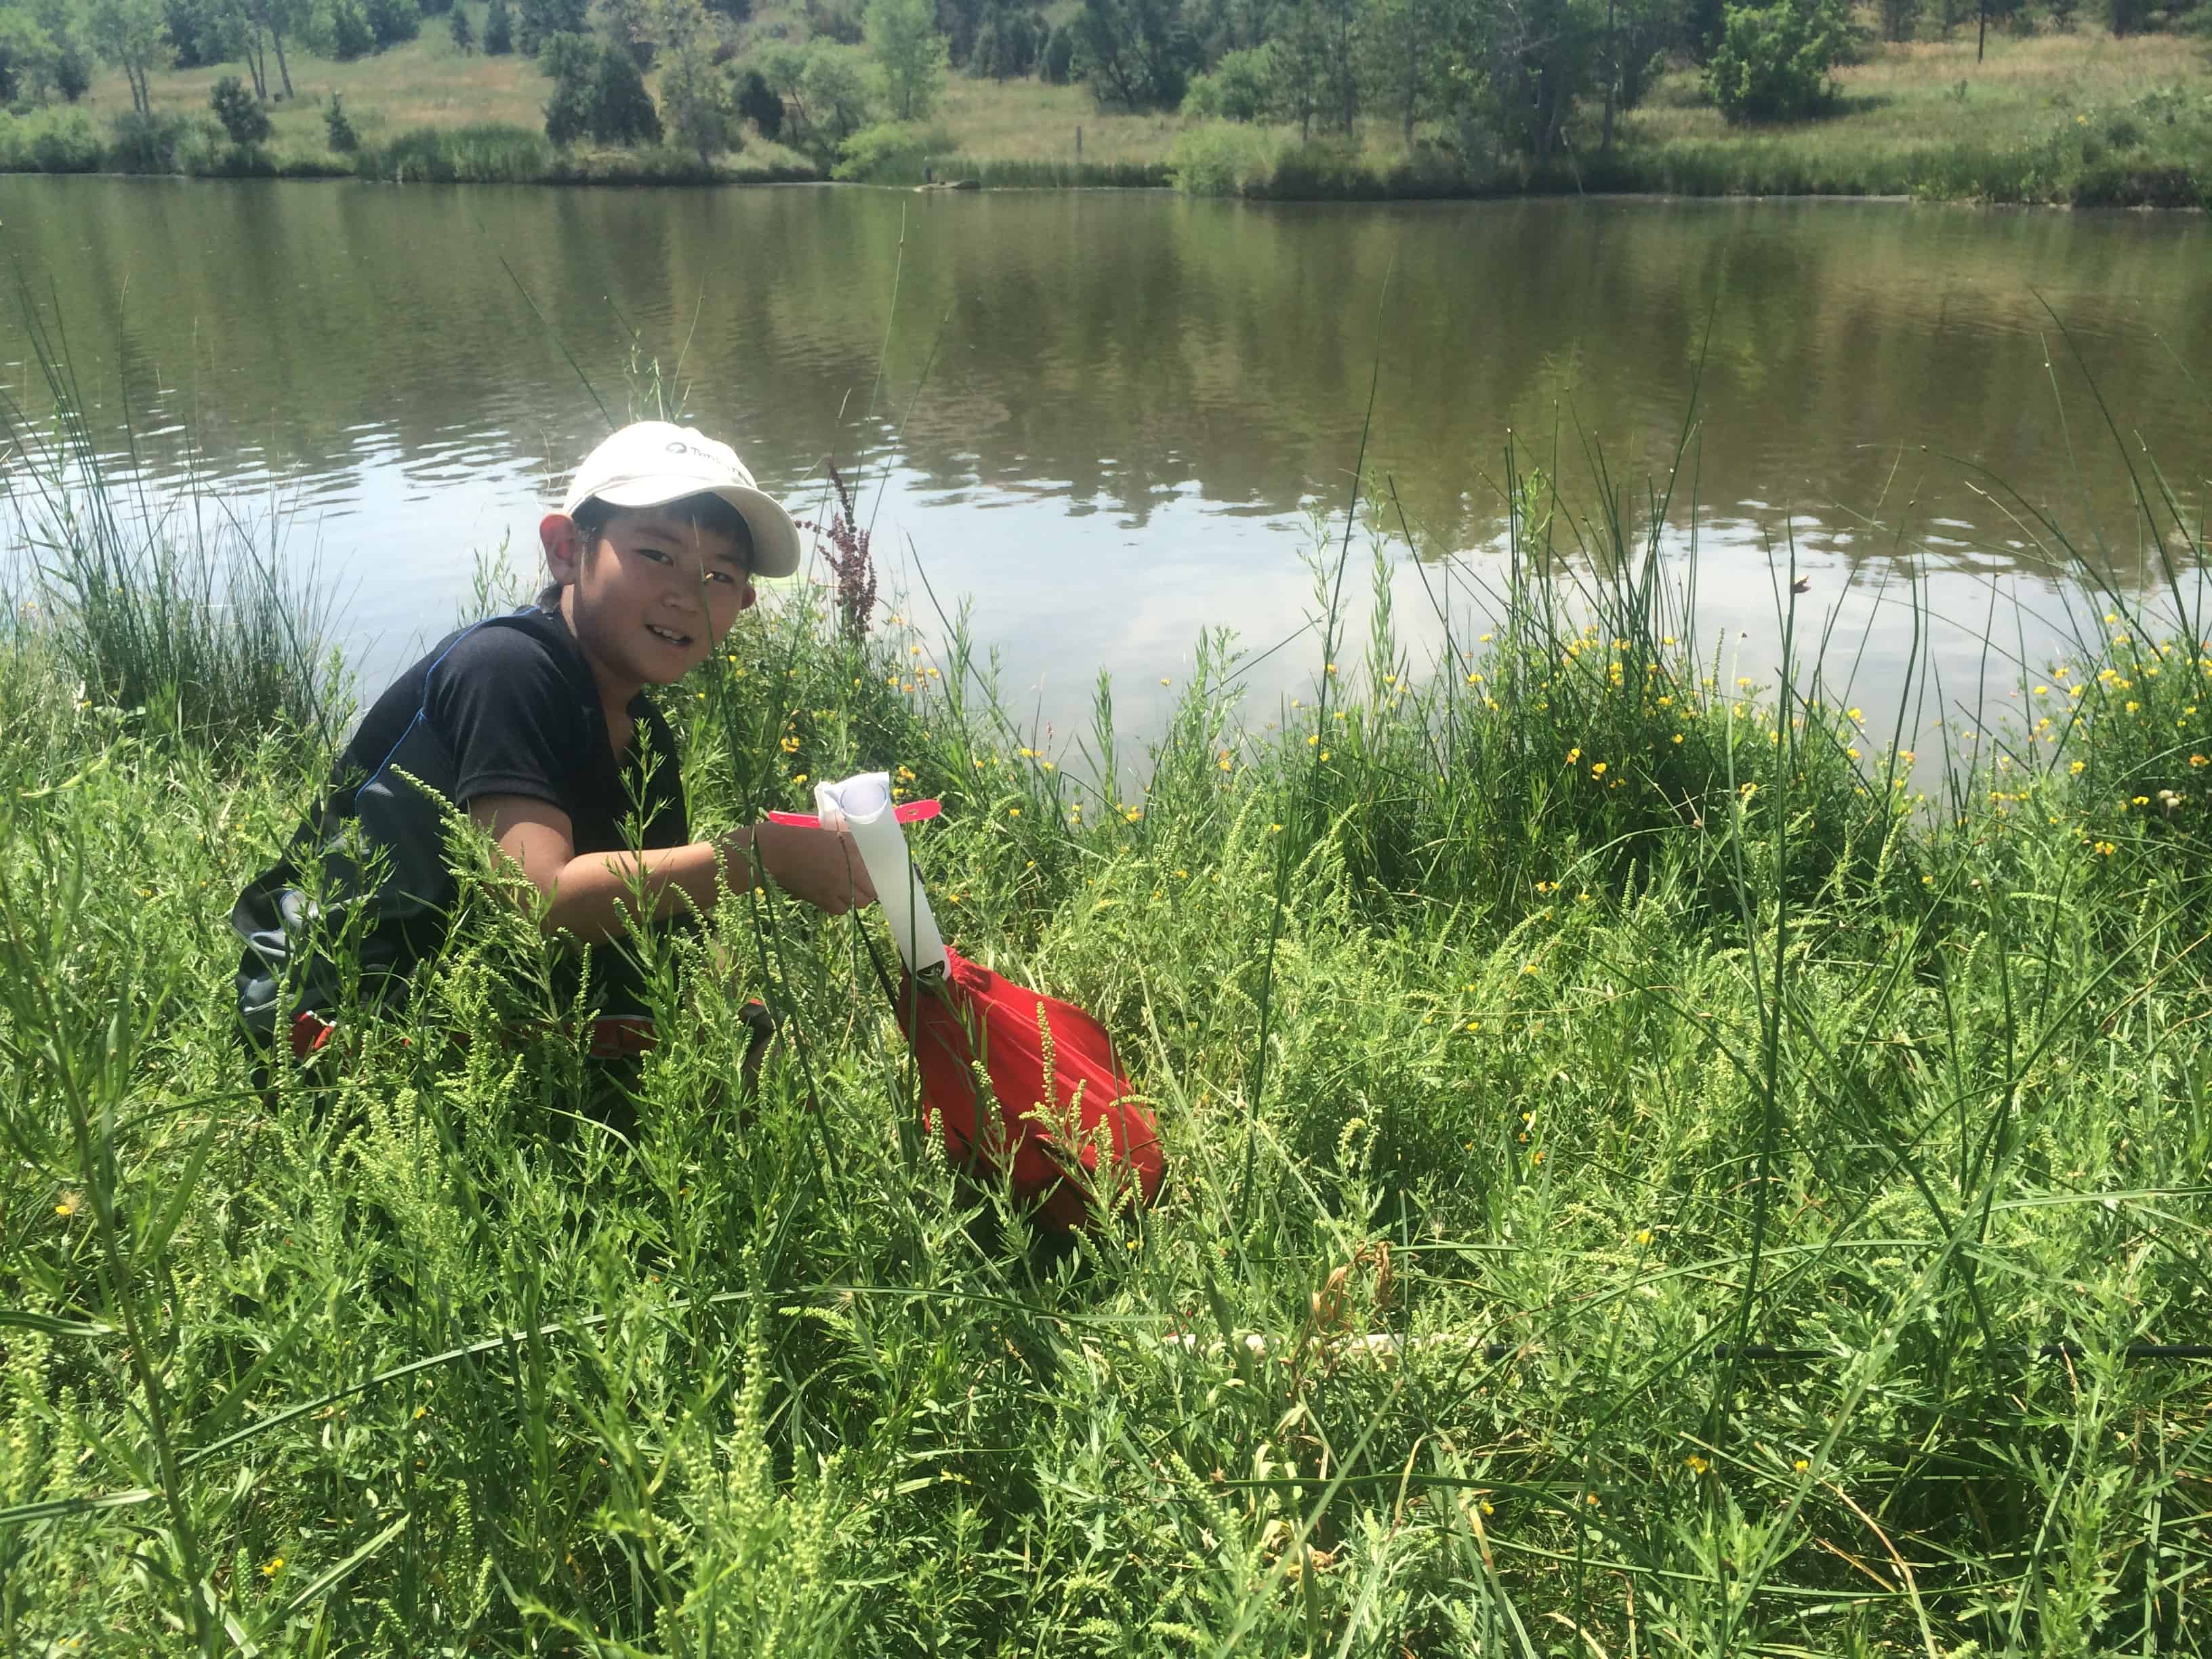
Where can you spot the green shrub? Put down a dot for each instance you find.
(1773, 62)
(239, 111)
(1435, 170)
(1220, 158)
(1328, 169)
(339, 125)
(888, 152)
(149, 144)
(50, 141)
(2131, 184)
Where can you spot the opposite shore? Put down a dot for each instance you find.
(2075, 120)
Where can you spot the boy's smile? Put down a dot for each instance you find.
(648, 600)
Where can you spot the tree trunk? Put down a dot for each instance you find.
(1981, 30)
(284, 69)
(257, 65)
(1612, 72)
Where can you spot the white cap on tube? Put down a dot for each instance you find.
(862, 805)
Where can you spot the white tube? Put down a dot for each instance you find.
(862, 805)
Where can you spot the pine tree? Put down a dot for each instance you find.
(463, 36)
(499, 30)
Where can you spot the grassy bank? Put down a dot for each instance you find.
(2081, 121)
(2080, 118)
(1532, 1029)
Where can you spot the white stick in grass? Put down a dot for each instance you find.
(862, 805)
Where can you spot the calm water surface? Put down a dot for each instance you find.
(1108, 417)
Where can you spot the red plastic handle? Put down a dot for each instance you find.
(907, 812)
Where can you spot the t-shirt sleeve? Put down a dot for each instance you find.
(513, 720)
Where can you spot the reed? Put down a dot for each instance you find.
(190, 611)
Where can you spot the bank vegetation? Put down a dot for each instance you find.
(2015, 101)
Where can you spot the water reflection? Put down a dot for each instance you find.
(1106, 415)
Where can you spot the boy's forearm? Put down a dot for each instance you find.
(596, 893)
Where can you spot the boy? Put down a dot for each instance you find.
(536, 724)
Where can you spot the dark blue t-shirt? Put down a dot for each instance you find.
(506, 707)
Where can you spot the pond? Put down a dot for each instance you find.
(1108, 418)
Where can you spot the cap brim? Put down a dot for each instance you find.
(775, 538)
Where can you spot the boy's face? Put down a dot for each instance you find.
(653, 598)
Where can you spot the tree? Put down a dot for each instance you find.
(567, 57)
(71, 65)
(351, 36)
(760, 103)
(1898, 17)
(245, 29)
(499, 30)
(536, 21)
(25, 49)
(1058, 55)
(910, 53)
(1007, 45)
(1136, 54)
(1536, 58)
(42, 53)
(622, 109)
(1240, 87)
(342, 138)
(239, 110)
(823, 88)
(635, 26)
(961, 22)
(599, 94)
(1631, 51)
(1297, 64)
(465, 37)
(696, 95)
(129, 33)
(835, 88)
(393, 21)
(1773, 61)
(276, 16)
(1341, 25)
(196, 28)
(695, 92)
(569, 110)
(1410, 47)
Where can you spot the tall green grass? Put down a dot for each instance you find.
(1627, 1155)
(191, 612)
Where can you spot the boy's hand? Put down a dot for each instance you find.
(821, 866)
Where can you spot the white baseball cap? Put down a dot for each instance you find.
(651, 462)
